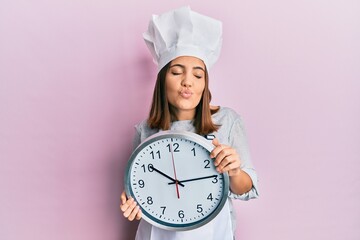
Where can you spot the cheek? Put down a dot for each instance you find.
(200, 88)
(171, 83)
(171, 94)
(198, 95)
(171, 91)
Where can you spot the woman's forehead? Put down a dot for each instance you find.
(188, 60)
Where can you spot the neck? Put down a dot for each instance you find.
(185, 115)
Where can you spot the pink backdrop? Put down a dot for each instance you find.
(75, 76)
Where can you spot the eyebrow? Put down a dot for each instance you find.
(182, 66)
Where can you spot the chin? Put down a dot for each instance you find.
(186, 108)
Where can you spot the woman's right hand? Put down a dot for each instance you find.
(129, 208)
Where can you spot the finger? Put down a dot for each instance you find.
(133, 213)
(130, 209)
(232, 167)
(225, 152)
(233, 158)
(218, 148)
(126, 205)
(215, 142)
(123, 197)
(225, 161)
(139, 215)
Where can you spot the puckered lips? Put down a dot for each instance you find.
(186, 93)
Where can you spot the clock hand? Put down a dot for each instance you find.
(192, 179)
(167, 176)
(173, 162)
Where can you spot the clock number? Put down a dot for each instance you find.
(199, 208)
(207, 161)
(163, 210)
(150, 168)
(210, 197)
(149, 200)
(193, 150)
(215, 180)
(156, 153)
(175, 147)
(181, 214)
(141, 183)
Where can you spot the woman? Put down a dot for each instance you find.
(185, 44)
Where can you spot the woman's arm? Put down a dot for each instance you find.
(228, 160)
(129, 206)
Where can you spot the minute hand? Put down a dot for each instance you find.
(165, 175)
(192, 179)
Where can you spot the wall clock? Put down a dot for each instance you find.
(173, 179)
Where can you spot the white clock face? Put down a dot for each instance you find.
(173, 179)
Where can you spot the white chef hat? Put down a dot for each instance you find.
(183, 32)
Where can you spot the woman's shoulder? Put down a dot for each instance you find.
(227, 117)
(226, 112)
(142, 124)
(144, 130)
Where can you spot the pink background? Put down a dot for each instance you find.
(75, 76)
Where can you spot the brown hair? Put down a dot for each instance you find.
(162, 114)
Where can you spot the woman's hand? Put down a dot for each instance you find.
(226, 159)
(129, 208)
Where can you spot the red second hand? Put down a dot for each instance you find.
(176, 181)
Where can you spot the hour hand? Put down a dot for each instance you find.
(192, 179)
(165, 175)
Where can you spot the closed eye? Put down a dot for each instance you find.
(176, 73)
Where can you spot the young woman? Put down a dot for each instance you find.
(181, 101)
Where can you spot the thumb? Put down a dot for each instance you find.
(123, 197)
(215, 142)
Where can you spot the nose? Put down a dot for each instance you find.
(186, 82)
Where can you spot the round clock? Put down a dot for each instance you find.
(174, 181)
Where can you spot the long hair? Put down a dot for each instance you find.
(161, 113)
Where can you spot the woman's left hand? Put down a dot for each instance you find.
(226, 159)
